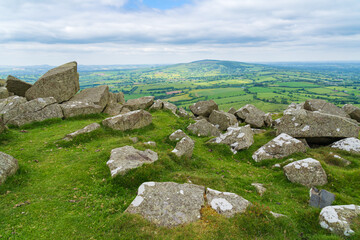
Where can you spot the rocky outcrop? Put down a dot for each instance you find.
(4, 93)
(321, 199)
(182, 113)
(203, 108)
(157, 105)
(177, 135)
(251, 115)
(8, 166)
(237, 138)
(113, 109)
(184, 147)
(232, 111)
(9, 104)
(170, 107)
(17, 86)
(348, 144)
(324, 107)
(98, 96)
(88, 129)
(223, 119)
(203, 128)
(61, 83)
(280, 147)
(128, 121)
(124, 159)
(139, 103)
(75, 108)
(307, 172)
(352, 111)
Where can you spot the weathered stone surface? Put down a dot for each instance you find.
(88, 129)
(124, 159)
(204, 128)
(182, 113)
(258, 131)
(277, 215)
(116, 97)
(226, 203)
(61, 83)
(167, 203)
(170, 106)
(251, 115)
(8, 166)
(324, 107)
(307, 172)
(139, 103)
(237, 138)
(150, 143)
(4, 93)
(184, 147)
(2, 82)
(232, 111)
(177, 135)
(337, 219)
(157, 105)
(280, 147)
(8, 104)
(98, 95)
(268, 120)
(259, 188)
(113, 109)
(76, 108)
(2, 125)
(342, 161)
(320, 199)
(348, 144)
(203, 108)
(128, 121)
(354, 112)
(223, 119)
(17, 86)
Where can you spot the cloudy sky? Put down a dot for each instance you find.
(171, 31)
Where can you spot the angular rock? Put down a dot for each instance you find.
(324, 107)
(259, 188)
(17, 86)
(237, 138)
(150, 143)
(88, 129)
(61, 83)
(167, 203)
(125, 158)
(139, 103)
(4, 93)
(320, 199)
(268, 120)
(343, 161)
(203, 108)
(352, 111)
(113, 109)
(8, 166)
(177, 135)
(128, 121)
(184, 147)
(258, 131)
(98, 95)
(76, 108)
(170, 106)
(8, 104)
(280, 147)
(232, 111)
(182, 113)
(338, 219)
(226, 203)
(348, 144)
(277, 215)
(251, 115)
(116, 98)
(223, 119)
(307, 172)
(158, 104)
(203, 128)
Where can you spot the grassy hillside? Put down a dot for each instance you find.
(64, 190)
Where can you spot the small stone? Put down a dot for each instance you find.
(88, 129)
(184, 147)
(150, 143)
(259, 188)
(177, 135)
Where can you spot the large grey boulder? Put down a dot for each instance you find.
(17, 86)
(76, 108)
(321, 199)
(203, 128)
(324, 107)
(157, 105)
(354, 112)
(237, 138)
(177, 135)
(226, 203)
(307, 172)
(184, 147)
(251, 115)
(203, 108)
(98, 95)
(116, 97)
(280, 147)
(223, 119)
(338, 219)
(348, 144)
(61, 83)
(169, 106)
(113, 109)
(139, 103)
(8, 166)
(8, 104)
(128, 121)
(88, 129)
(167, 203)
(125, 158)
(4, 93)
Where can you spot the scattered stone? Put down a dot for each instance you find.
(170, 106)
(203, 108)
(320, 199)
(280, 147)
(307, 172)
(158, 104)
(126, 158)
(237, 138)
(77, 108)
(223, 119)
(177, 135)
(87, 129)
(150, 143)
(184, 147)
(348, 144)
(259, 188)
(4, 93)
(17, 86)
(277, 215)
(268, 120)
(113, 109)
(324, 107)
(277, 165)
(232, 111)
(343, 161)
(203, 128)
(251, 115)
(128, 121)
(182, 113)
(139, 103)
(61, 83)
(352, 111)
(8, 166)
(134, 139)
(337, 219)
(258, 131)
(97, 95)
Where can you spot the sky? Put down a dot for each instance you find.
(101, 32)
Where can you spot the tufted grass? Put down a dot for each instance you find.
(63, 190)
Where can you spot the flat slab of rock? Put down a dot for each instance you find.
(139, 103)
(354, 112)
(203, 108)
(203, 128)
(97, 95)
(167, 203)
(251, 115)
(177, 135)
(237, 138)
(126, 158)
(307, 172)
(76, 108)
(61, 83)
(17, 86)
(223, 119)
(337, 219)
(324, 107)
(280, 147)
(321, 199)
(184, 147)
(8, 166)
(87, 129)
(128, 121)
(348, 144)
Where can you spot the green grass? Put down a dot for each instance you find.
(67, 191)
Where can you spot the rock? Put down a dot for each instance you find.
(139, 103)
(232, 111)
(150, 143)
(277, 215)
(203, 108)
(348, 144)
(237, 138)
(177, 135)
(98, 95)
(280, 147)
(259, 188)
(258, 131)
(134, 139)
(2, 82)
(157, 105)
(129, 121)
(171, 107)
(76, 108)
(8, 166)
(223, 119)
(268, 120)
(88, 129)
(9, 104)
(61, 83)
(307, 172)
(277, 165)
(337, 219)
(113, 109)
(203, 128)
(17, 86)
(167, 203)
(343, 161)
(116, 98)
(2, 126)
(225, 203)
(324, 107)
(303, 140)
(352, 111)
(320, 199)
(184, 147)
(182, 113)
(251, 115)
(126, 158)
(4, 93)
